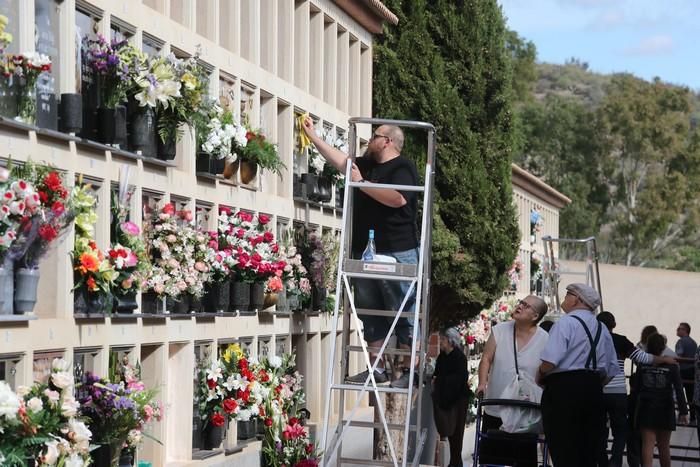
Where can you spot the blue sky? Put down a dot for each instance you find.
(645, 37)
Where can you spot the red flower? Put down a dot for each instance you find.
(168, 209)
(263, 219)
(309, 448)
(230, 405)
(91, 284)
(268, 422)
(58, 208)
(470, 340)
(293, 421)
(53, 181)
(217, 419)
(268, 237)
(211, 383)
(243, 395)
(47, 232)
(224, 210)
(249, 135)
(43, 196)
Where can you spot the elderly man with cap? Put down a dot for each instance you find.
(577, 361)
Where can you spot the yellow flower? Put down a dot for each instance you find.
(231, 351)
(190, 81)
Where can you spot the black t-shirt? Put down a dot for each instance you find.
(623, 346)
(394, 228)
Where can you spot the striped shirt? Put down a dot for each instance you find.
(618, 385)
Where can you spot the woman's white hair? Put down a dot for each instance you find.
(453, 336)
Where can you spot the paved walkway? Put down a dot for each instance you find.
(683, 436)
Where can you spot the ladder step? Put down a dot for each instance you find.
(397, 271)
(369, 389)
(384, 277)
(390, 313)
(352, 460)
(387, 351)
(386, 186)
(392, 426)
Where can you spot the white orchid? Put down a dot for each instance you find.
(9, 402)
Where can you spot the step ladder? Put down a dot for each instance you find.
(418, 275)
(552, 273)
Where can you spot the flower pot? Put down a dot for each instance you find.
(167, 149)
(230, 169)
(298, 188)
(142, 131)
(257, 295)
(212, 436)
(319, 299)
(99, 303)
(107, 455)
(111, 128)
(248, 171)
(151, 302)
(195, 304)
(339, 196)
(246, 429)
(208, 163)
(8, 96)
(240, 296)
(216, 297)
(70, 113)
(126, 459)
(325, 189)
(311, 182)
(125, 303)
(293, 302)
(271, 299)
(26, 105)
(7, 291)
(26, 283)
(179, 305)
(282, 304)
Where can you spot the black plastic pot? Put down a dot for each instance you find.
(207, 163)
(325, 189)
(298, 188)
(319, 299)
(70, 113)
(125, 303)
(142, 130)
(339, 195)
(311, 182)
(212, 436)
(216, 297)
(257, 295)
(240, 296)
(112, 126)
(246, 429)
(166, 149)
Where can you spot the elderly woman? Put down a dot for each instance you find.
(497, 368)
(451, 393)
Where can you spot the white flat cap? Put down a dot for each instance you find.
(586, 294)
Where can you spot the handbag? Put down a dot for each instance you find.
(523, 388)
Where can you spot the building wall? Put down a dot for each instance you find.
(270, 60)
(641, 296)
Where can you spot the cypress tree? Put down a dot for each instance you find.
(446, 63)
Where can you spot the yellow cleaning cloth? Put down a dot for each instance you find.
(304, 141)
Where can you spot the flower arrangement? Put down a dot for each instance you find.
(13, 205)
(242, 382)
(47, 211)
(294, 275)
(155, 84)
(262, 152)
(536, 221)
(178, 254)
(116, 63)
(118, 413)
(218, 132)
(218, 260)
(192, 81)
(93, 274)
(5, 37)
(515, 273)
(254, 255)
(340, 143)
(42, 422)
(27, 67)
(287, 443)
(324, 258)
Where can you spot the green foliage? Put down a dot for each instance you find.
(447, 63)
(264, 153)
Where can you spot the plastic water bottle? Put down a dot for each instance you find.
(370, 250)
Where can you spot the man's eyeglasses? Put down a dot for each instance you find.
(376, 135)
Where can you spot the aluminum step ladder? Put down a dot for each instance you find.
(552, 273)
(418, 275)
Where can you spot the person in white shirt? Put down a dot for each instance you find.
(578, 360)
(497, 367)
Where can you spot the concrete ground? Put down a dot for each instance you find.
(683, 436)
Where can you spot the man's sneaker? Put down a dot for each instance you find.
(402, 381)
(360, 378)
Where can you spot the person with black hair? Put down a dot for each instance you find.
(615, 392)
(655, 414)
(686, 348)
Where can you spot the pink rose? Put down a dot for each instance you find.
(130, 228)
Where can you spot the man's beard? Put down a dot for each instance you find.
(369, 154)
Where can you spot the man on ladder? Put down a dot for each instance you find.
(391, 216)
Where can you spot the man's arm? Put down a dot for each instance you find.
(338, 159)
(485, 363)
(545, 367)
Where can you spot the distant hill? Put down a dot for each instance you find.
(574, 79)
